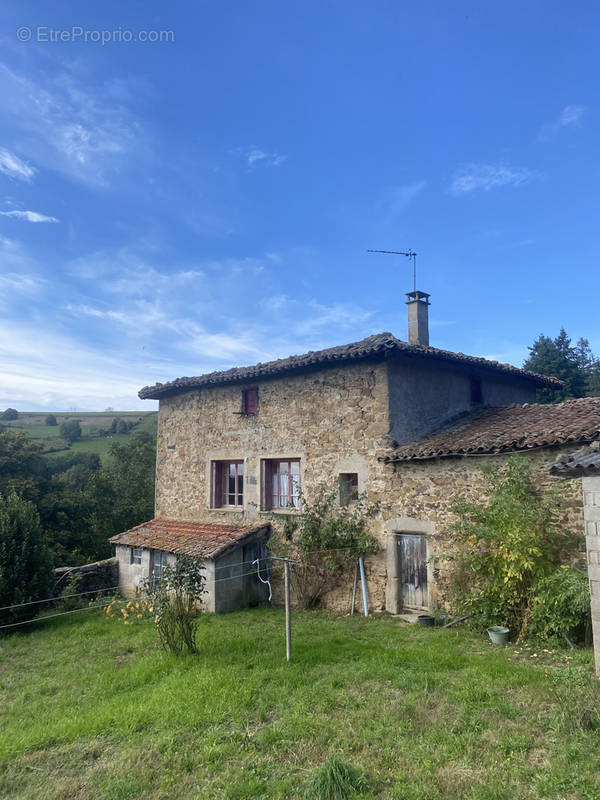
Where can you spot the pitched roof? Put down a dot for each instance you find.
(203, 539)
(582, 463)
(376, 347)
(509, 428)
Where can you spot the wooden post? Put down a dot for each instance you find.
(288, 615)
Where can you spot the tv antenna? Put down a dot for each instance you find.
(408, 254)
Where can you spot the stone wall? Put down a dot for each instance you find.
(89, 577)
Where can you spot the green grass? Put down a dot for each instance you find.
(92, 710)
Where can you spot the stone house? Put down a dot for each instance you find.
(408, 424)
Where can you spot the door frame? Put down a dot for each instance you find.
(393, 587)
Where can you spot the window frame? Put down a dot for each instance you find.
(219, 492)
(271, 468)
(136, 553)
(157, 575)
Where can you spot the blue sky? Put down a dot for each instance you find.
(169, 208)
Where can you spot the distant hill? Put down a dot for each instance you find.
(99, 429)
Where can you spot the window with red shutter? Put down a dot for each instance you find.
(281, 484)
(228, 484)
(250, 401)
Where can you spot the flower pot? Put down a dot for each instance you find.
(498, 634)
(426, 619)
(441, 620)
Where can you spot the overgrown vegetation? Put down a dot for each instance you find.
(171, 602)
(561, 606)
(507, 549)
(25, 563)
(94, 710)
(327, 538)
(81, 501)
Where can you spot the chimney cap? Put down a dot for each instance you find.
(417, 296)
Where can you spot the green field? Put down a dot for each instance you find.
(92, 710)
(33, 424)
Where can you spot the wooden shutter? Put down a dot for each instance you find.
(268, 484)
(217, 484)
(250, 401)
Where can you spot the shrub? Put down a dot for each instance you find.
(26, 572)
(327, 538)
(336, 779)
(10, 414)
(505, 547)
(70, 430)
(175, 601)
(50, 420)
(561, 605)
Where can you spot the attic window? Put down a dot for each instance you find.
(250, 401)
(476, 394)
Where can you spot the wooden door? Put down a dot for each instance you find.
(413, 570)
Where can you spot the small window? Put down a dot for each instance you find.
(250, 401)
(159, 562)
(228, 484)
(476, 395)
(348, 488)
(282, 484)
(136, 555)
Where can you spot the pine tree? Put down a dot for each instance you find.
(557, 358)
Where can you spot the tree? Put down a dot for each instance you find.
(50, 420)
(21, 464)
(10, 414)
(122, 426)
(70, 430)
(558, 359)
(25, 564)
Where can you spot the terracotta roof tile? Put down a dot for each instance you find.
(509, 428)
(203, 539)
(376, 347)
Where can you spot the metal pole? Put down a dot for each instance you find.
(354, 588)
(288, 615)
(364, 585)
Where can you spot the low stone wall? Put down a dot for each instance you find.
(90, 577)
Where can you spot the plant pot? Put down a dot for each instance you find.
(498, 634)
(426, 619)
(441, 620)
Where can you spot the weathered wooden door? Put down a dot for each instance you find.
(413, 570)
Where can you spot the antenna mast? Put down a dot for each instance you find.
(408, 254)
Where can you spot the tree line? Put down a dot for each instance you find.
(575, 365)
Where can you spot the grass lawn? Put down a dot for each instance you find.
(90, 709)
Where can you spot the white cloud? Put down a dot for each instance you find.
(255, 155)
(69, 128)
(485, 177)
(569, 117)
(15, 167)
(29, 216)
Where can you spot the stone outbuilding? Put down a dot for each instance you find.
(228, 553)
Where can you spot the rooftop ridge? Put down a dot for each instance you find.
(376, 346)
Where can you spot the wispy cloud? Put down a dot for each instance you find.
(15, 167)
(569, 117)
(257, 156)
(28, 216)
(67, 127)
(485, 177)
